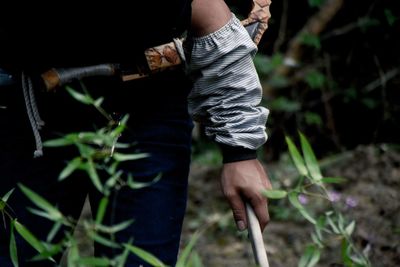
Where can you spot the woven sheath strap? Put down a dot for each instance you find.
(259, 14)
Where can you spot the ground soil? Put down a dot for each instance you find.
(373, 184)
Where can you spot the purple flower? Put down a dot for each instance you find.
(351, 202)
(334, 196)
(303, 199)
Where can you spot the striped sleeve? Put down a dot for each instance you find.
(227, 92)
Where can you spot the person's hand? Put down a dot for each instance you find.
(242, 182)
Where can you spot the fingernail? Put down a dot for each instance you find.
(241, 226)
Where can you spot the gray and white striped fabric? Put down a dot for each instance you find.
(227, 91)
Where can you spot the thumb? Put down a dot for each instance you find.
(238, 210)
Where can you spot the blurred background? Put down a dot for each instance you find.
(330, 69)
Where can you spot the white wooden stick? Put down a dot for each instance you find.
(256, 237)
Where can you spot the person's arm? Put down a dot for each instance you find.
(225, 99)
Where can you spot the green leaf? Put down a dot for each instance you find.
(91, 170)
(102, 240)
(7, 195)
(333, 226)
(53, 231)
(195, 260)
(333, 180)
(101, 210)
(43, 214)
(346, 249)
(313, 118)
(390, 17)
(70, 168)
(146, 256)
(126, 157)
(317, 240)
(285, 105)
(311, 40)
(73, 255)
(114, 228)
(350, 228)
(93, 261)
(294, 200)
(28, 236)
(13, 247)
(310, 159)
(311, 256)
(2, 205)
(98, 102)
(315, 79)
(51, 250)
(3, 200)
(182, 261)
(274, 194)
(83, 98)
(53, 212)
(138, 185)
(296, 157)
(59, 142)
(122, 258)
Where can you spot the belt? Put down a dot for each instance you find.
(158, 58)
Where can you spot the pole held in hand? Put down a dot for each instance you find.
(256, 237)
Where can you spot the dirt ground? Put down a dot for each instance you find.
(373, 186)
(371, 197)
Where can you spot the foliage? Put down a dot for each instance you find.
(99, 150)
(331, 222)
(324, 75)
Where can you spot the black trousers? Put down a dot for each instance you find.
(159, 125)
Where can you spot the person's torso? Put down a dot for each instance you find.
(70, 32)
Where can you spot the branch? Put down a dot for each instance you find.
(315, 25)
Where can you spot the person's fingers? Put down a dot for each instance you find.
(260, 207)
(238, 209)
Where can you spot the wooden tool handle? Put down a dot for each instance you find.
(256, 237)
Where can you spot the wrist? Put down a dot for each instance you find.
(235, 153)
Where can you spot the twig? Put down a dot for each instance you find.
(283, 26)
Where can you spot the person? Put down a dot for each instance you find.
(219, 88)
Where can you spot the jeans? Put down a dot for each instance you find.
(159, 125)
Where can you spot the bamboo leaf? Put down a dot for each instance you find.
(28, 236)
(138, 185)
(73, 255)
(274, 194)
(91, 170)
(350, 228)
(294, 200)
(70, 168)
(310, 159)
(122, 258)
(83, 98)
(102, 240)
(296, 157)
(311, 257)
(93, 261)
(98, 102)
(114, 228)
(146, 256)
(126, 157)
(59, 142)
(182, 261)
(56, 227)
(13, 247)
(7, 195)
(101, 210)
(53, 212)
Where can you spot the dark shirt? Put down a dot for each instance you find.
(38, 34)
